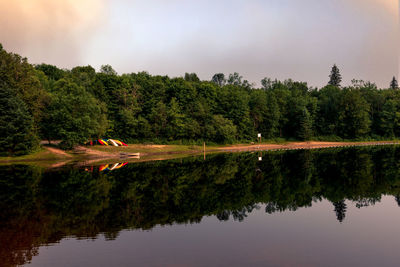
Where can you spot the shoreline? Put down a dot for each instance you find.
(95, 154)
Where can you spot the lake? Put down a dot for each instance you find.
(326, 207)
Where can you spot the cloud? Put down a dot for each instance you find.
(275, 38)
(49, 30)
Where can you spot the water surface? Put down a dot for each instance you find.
(327, 207)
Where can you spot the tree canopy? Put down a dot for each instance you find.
(81, 104)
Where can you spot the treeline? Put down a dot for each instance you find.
(45, 102)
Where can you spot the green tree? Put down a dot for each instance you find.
(264, 112)
(16, 124)
(51, 71)
(191, 77)
(74, 115)
(353, 116)
(306, 125)
(235, 79)
(390, 118)
(233, 104)
(159, 119)
(335, 77)
(219, 79)
(267, 83)
(26, 82)
(107, 69)
(224, 131)
(327, 120)
(176, 121)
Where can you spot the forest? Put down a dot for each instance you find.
(44, 102)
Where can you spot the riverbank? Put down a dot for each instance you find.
(93, 154)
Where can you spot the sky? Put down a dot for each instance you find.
(298, 39)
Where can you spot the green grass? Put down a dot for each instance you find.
(38, 155)
(42, 157)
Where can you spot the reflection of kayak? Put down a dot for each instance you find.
(121, 165)
(114, 166)
(103, 167)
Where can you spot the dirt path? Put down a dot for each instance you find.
(57, 151)
(95, 153)
(302, 145)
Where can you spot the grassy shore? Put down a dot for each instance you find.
(158, 152)
(41, 154)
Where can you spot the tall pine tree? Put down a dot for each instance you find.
(394, 84)
(335, 77)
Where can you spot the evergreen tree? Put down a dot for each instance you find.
(16, 124)
(335, 77)
(394, 84)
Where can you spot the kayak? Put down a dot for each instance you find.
(112, 142)
(105, 142)
(118, 142)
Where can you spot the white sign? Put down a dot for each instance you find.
(259, 135)
(259, 158)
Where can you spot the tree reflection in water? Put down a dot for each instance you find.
(43, 206)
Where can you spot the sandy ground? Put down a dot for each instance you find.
(93, 152)
(301, 145)
(57, 151)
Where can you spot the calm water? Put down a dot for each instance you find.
(333, 207)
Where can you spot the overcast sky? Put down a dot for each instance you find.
(298, 39)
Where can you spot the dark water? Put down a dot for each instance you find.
(333, 207)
